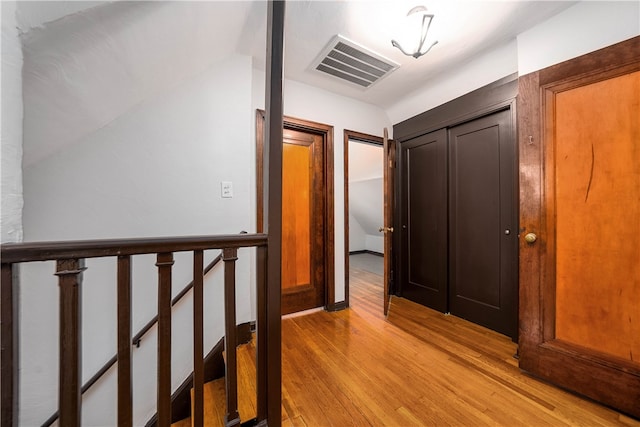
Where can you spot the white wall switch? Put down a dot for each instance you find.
(227, 189)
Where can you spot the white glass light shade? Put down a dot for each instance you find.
(413, 37)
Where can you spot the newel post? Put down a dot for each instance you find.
(69, 272)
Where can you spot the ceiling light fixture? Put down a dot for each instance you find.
(418, 13)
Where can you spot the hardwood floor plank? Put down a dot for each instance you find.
(214, 403)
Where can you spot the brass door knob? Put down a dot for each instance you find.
(530, 237)
(385, 229)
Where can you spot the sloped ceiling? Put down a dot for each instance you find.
(83, 70)
(86, 63)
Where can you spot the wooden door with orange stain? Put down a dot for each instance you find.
(580, 210)
(303, 221)
(597, 225)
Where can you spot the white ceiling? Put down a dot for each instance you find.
(463, 29)
(88, 62)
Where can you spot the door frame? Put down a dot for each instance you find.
(326, 132)
(349, 135)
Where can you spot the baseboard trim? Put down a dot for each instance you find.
(243, 335)
(366, 252)
(213, 369)
(338, 306)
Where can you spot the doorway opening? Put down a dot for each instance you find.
(363, 205)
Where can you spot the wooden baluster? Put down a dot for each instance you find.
(9, 353)
(198, 331)
(261, 320)
(69, 272)
(125, 396)
(229, 256)
(164, 263)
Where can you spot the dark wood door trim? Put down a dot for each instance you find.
(613, 381)
(493, 97)
(368, 139)
(326, 132)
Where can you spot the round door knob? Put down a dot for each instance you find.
(530, 237)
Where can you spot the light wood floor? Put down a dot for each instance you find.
(417, 367)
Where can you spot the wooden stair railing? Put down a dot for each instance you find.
(70, 264)
(70, 256)
(137, 338)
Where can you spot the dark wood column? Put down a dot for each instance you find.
(271, 332)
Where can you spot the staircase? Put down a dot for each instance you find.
(69, 258)
(215, 396)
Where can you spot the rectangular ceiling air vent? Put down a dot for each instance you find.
(349, 61)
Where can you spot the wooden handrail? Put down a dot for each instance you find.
(70, 258)
(49, 251)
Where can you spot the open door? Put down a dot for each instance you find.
(389, 163)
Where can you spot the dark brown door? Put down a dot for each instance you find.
(483, 223)
(303, 222)
(580, 211)
(423, 218)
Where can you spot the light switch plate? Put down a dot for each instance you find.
(226, 189)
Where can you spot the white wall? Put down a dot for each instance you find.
(580, 29)
(154, 171)
(366, 204)
(309, 103)
(357, 236)
(11, 126)
(375, 243)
